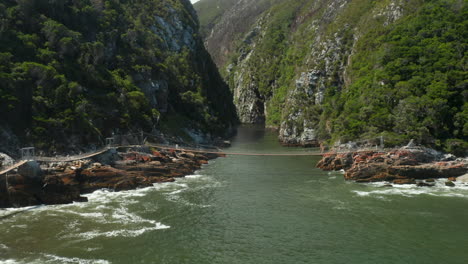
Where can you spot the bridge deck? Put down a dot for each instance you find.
(72, 158)
(98, 152)
(14, 166)
(236, 153)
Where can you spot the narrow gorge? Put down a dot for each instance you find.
(338, 70)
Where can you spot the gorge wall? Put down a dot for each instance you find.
(74, 72)
(329, 70)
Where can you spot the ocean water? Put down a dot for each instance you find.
(247, 209)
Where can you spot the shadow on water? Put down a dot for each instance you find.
(250, 133)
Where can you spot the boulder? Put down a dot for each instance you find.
(404, 181)
(449, 184)
(5, 160)
(366, 171)
(55, 191)
(424, 184)
(125, 162)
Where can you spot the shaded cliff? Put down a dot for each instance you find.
(329, 70)
(74, 72)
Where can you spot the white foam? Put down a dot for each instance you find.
(177, 191)
(9, 261)
(411, 190)
(19, 226)
(93, 249)
(92, 215)
(3, 246)
(122, 232)
(106, 196)
(170, 185)
(175, 197)
(74, 260)
(193, 176)
(9, 211)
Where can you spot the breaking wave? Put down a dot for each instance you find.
(379, 190)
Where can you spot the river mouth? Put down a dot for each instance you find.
(247, 209)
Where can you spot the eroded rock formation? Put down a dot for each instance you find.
(62, 183)
(403, 165)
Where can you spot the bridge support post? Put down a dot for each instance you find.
(28, 153)
(109, 142)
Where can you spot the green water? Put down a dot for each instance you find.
(244, 209)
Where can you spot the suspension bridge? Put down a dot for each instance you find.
(156, 146)
(28, 153)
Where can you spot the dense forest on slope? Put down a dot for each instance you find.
(74, 72)
(329, 70)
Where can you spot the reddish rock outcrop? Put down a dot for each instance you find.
(400, 166)
(65, 182)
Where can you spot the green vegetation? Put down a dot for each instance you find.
(82, 69)
(410, 79)
(386, 68)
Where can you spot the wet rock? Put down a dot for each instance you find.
(423, 184)
(55, 191)
(130, 184)
(452, 179)
(19, 197)
(430, 180)
(362, 181)
(404, 181)
(449, 184)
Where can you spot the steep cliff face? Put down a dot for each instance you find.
(325, 70)
(74, 72)
(224, 22)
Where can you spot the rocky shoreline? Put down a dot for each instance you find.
(116, 170)
(407, 165)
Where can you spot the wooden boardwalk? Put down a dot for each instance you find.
(14, 166)
(54, 159)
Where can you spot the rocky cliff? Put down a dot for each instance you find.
(329, 70)
(224, 22)
(74, 72)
